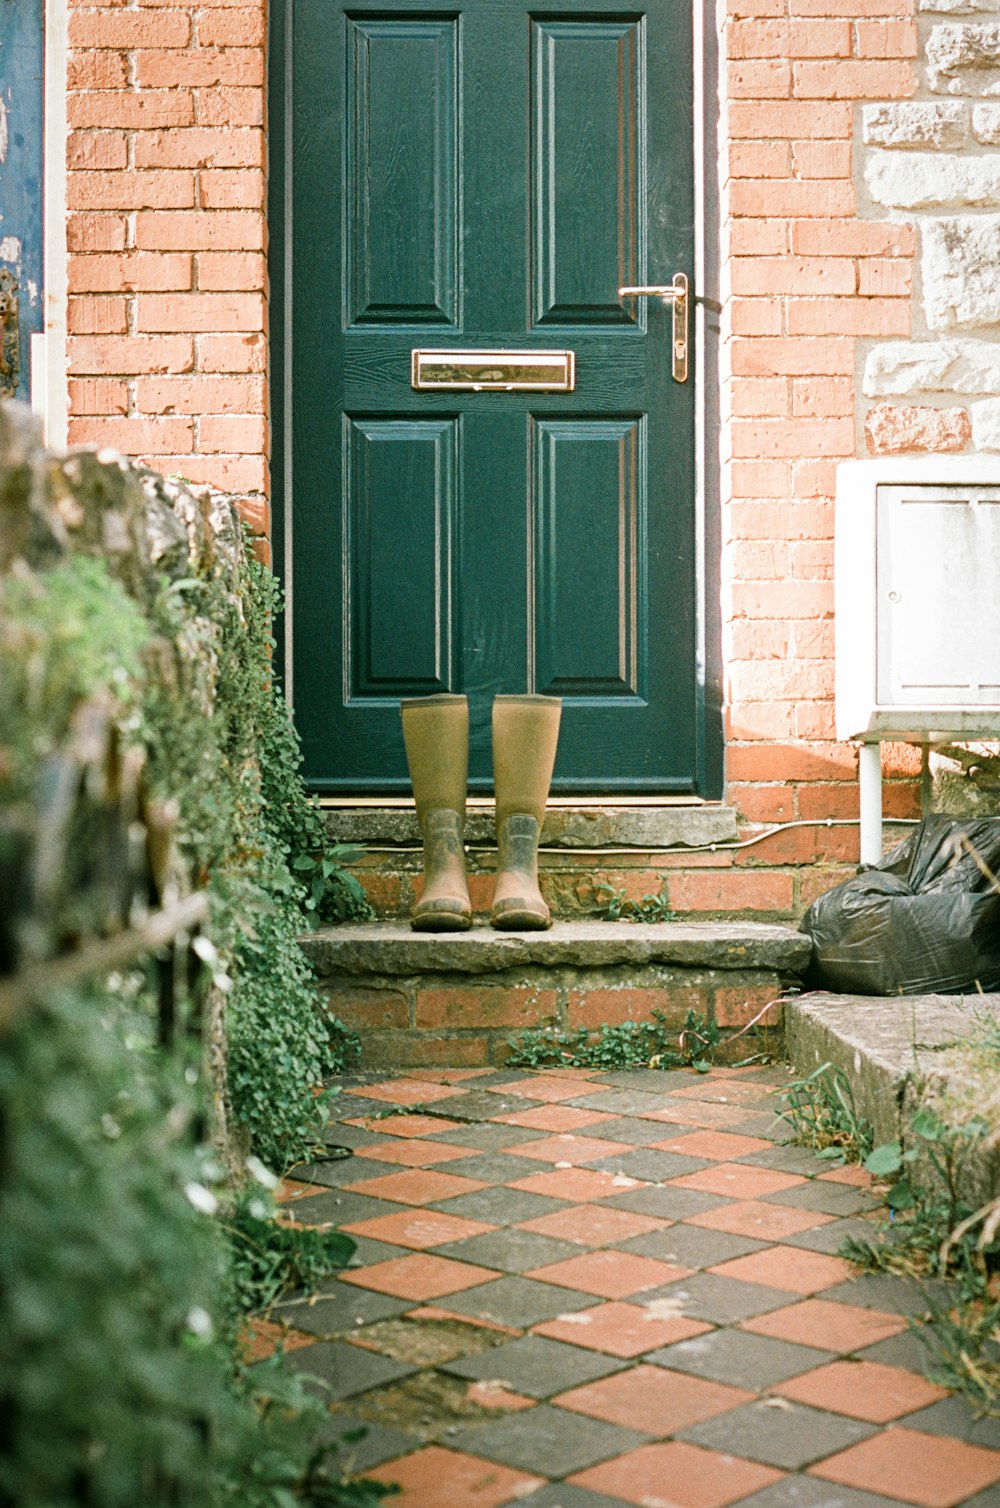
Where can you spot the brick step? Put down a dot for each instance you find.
(424, 999)
(688, 855)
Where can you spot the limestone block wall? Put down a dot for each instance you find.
(167, 316)
(933, 161)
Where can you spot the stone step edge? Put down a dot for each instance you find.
(889, 1047)
(586, 825)
(390, 948)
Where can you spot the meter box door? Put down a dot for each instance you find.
(917, 587)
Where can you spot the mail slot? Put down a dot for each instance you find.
(494, 371)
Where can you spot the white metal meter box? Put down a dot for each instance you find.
(917, 593)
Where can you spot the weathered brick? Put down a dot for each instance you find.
(90, 232)
(736, 890)
(231, 188)
(849, 316)
(127, 29)
(890, 430)
(200, 311)
(232, 353)
(97, 70)
(107, 354)
(200, 147)
(130, 271)
(96, 149)
(232, 27)
(369, 1010)
(803, 275)
(139, 436)
(97, 395)
(245, 433)
(799, 763)
(614, 1006)
(736, 1005)
(853, 79)
(200, 230)
(130, 190)
(483, 1007)
(231, 271)
(132, 109)
(201, 395)
(94, 315)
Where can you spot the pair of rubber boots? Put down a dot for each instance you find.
(436, 734)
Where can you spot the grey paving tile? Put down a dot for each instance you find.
(340, 1310)
(621, 1102)
(830, 1238)
(651, 1080)
(510, 1250)
(826, 1198)
(719, 1300)
(987, 1499)
(495, 1167)
(690, 1246)
(341, 1172)
(343, 1370)
(778, 1433)
(377, 1444)
(367, 1251)
(953, 1416)
(768, 1125)
(739, 1357)
(551, 1438)
(488, 1136)
(501, 1206)
(356, 1106)
(636, 1132)
(339, 1134)
(480, 1105)
(881, 1290)
(810, 1492)
(787, 1159)
(342, 1207)
(904, 1350)
(666, 1203)
(562, 1495)
(537, 1367)
(652, 1167)
(518, 1301)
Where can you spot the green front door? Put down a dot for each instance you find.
(485, 176)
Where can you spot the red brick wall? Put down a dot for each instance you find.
(804, 282)
(167, 317)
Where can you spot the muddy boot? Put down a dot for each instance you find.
(436, 734)
(525, 733)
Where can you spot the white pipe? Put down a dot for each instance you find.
(870, 792)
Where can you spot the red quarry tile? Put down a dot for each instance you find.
(434, 1312)
(724, 1092)
(693, 1478)
(290, 1189)
(687, 1113)
(417, 1186)
(611, 1274)
(788, 1268)
(720, 1146)
(555, 1118)
(414, 1152)
(406, 1125)
(433, 1477)
(496, 1395)
(619, 1329)
(594, 1225)
(929, 1470)
(566, 1183)
(653, 1400)
(766, 1222)
(853, 1174)
(567, 1148)
(418, 1228)
(419, 1277)
(260, 1339)
(862, 1389)
(552, 1090)
(404, 1092)
(831, 1327)
(737, 1181)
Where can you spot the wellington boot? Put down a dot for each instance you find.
(525, 734)
(436, 734)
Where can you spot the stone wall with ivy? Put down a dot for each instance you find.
(147, 771)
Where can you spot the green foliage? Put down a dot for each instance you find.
(619, 907)
(633, 1044)
(933, 1233)
(823, 1114)
(268, 1257)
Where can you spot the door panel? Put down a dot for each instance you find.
(477, 177)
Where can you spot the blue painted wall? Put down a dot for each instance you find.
(21, 118)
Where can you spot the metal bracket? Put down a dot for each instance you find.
(9, 338)
(675, 293)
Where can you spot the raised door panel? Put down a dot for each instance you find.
(402, 172)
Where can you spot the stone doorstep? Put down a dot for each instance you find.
(890, 1048)
(569, 825)
(433, 999)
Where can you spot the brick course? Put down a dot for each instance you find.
(167, 288)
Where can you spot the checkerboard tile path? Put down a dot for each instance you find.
(608, 1289)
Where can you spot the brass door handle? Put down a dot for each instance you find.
(675, 293)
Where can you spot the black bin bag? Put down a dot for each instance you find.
(926, 920)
